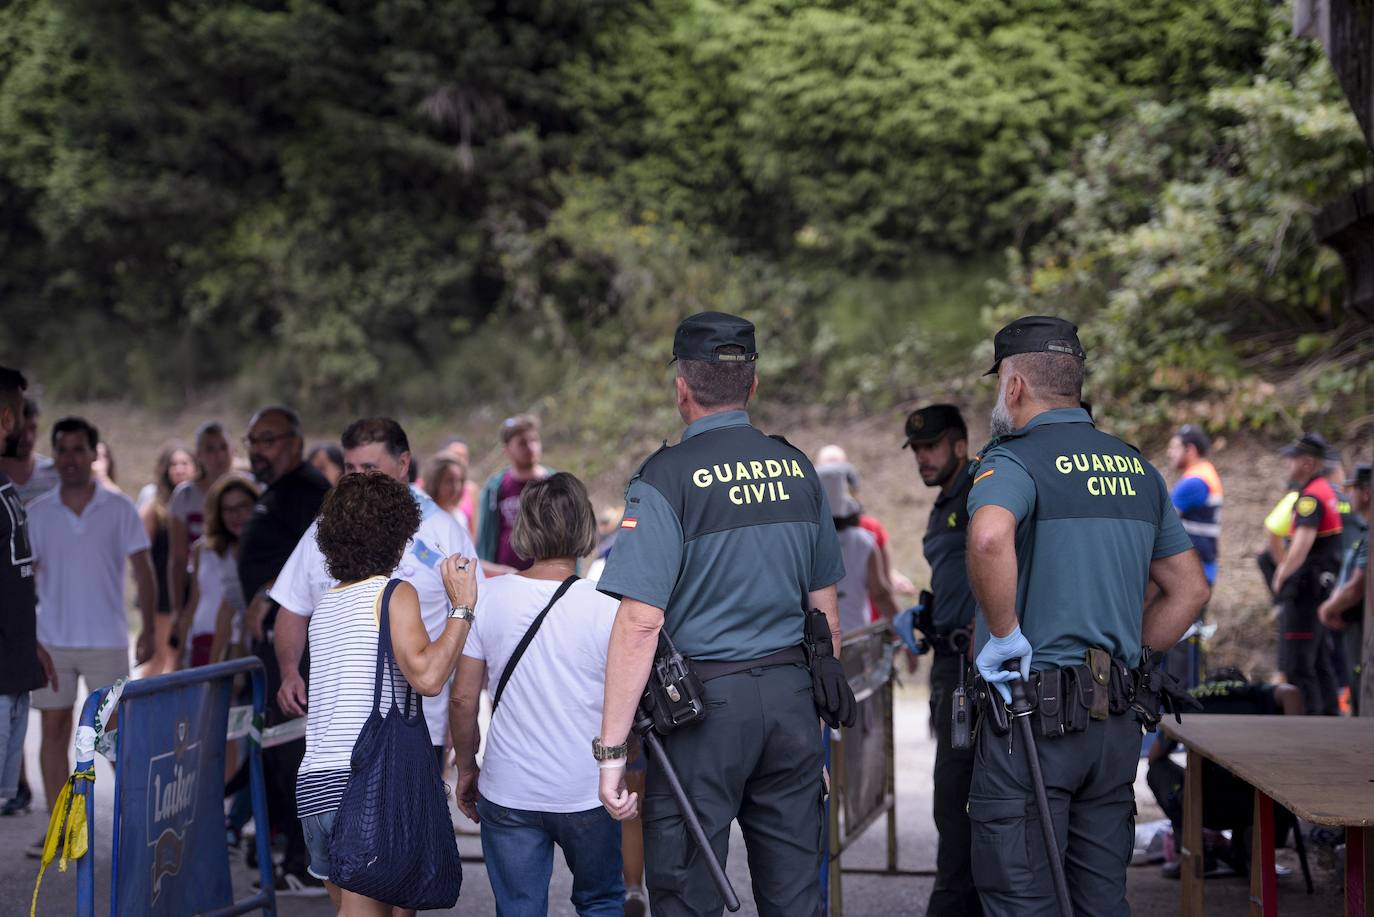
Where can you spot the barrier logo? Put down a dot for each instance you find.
(172, 803)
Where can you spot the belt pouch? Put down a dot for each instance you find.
(991, 709)
(1099, 667)
(1050, 710)
(1119, 698)
(1078, 697)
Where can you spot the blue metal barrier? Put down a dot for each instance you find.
(169, 852)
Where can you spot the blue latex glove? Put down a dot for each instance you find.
(997, 651)
(905, 625)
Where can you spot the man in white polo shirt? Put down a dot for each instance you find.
(371, 444)
(82, 537)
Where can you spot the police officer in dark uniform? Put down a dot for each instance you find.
(938, 439)
(726, 543)
(1306, 575)
(1067, 527)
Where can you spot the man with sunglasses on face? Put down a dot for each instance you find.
(291, 501)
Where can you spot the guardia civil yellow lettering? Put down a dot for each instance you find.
(1108, 475)
(771, 492)
(752, 481)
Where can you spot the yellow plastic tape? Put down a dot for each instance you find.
(66, 830)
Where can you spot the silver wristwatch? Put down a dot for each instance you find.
(462, 613)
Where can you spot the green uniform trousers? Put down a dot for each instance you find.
(1089, 778)
(953, 894)
(756, 757)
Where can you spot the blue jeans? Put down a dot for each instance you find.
(14, 723)
(518, 847)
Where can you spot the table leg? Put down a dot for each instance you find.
(1264, 891)
(1192, 866)
(1359, 866)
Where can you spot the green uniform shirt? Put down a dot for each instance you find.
(726, 532)
(1091, 515)
(944, 543)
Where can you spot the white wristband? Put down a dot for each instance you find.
(612, 764)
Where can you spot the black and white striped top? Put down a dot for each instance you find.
(343, 660)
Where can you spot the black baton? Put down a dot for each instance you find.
(1021, 711)
(644, 726)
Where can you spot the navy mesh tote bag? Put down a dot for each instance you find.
(393, 839)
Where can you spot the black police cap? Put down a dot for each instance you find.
(1313, 445)
(1035, 334)
(702, 337)
(1361, 476)
(929, 423)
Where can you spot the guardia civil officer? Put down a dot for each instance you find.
(1067, 527)
(726, 541)
(938, 439)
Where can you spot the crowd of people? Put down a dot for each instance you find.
(287, 552)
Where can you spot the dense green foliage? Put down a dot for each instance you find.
(862, 129)
(1183, 241)
(425, 203)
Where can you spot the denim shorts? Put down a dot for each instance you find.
(317, 829)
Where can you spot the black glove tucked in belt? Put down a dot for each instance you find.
(834, 698)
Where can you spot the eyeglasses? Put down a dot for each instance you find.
(266, 440)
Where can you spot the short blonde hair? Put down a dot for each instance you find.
(556, 520)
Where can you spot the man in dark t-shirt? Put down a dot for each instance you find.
(1227, 801)
(295, 490)
(500, 500)
(24, 665)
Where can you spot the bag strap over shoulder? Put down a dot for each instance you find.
(525, 642)
(385, 652)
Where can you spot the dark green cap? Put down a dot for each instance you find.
(1360, 476)
(929, 423)
(1312, 445)
(1035, 334)
(701, 337)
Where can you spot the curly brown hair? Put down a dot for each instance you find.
(365, 523)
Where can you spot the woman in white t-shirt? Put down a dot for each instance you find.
(538, 781)
(364, 526)
(212, 616)
(446, 481)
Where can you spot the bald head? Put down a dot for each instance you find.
(831, 455)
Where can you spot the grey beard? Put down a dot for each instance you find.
(1001, 423)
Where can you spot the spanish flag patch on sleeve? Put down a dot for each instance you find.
(628, 523)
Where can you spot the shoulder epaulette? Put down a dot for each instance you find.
(644, 464)
(783, 439)
(988, 447)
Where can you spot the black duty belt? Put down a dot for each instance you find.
(1064, 700)
(951, 643)
(707, 669)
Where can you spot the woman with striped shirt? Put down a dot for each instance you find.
(365, 524)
